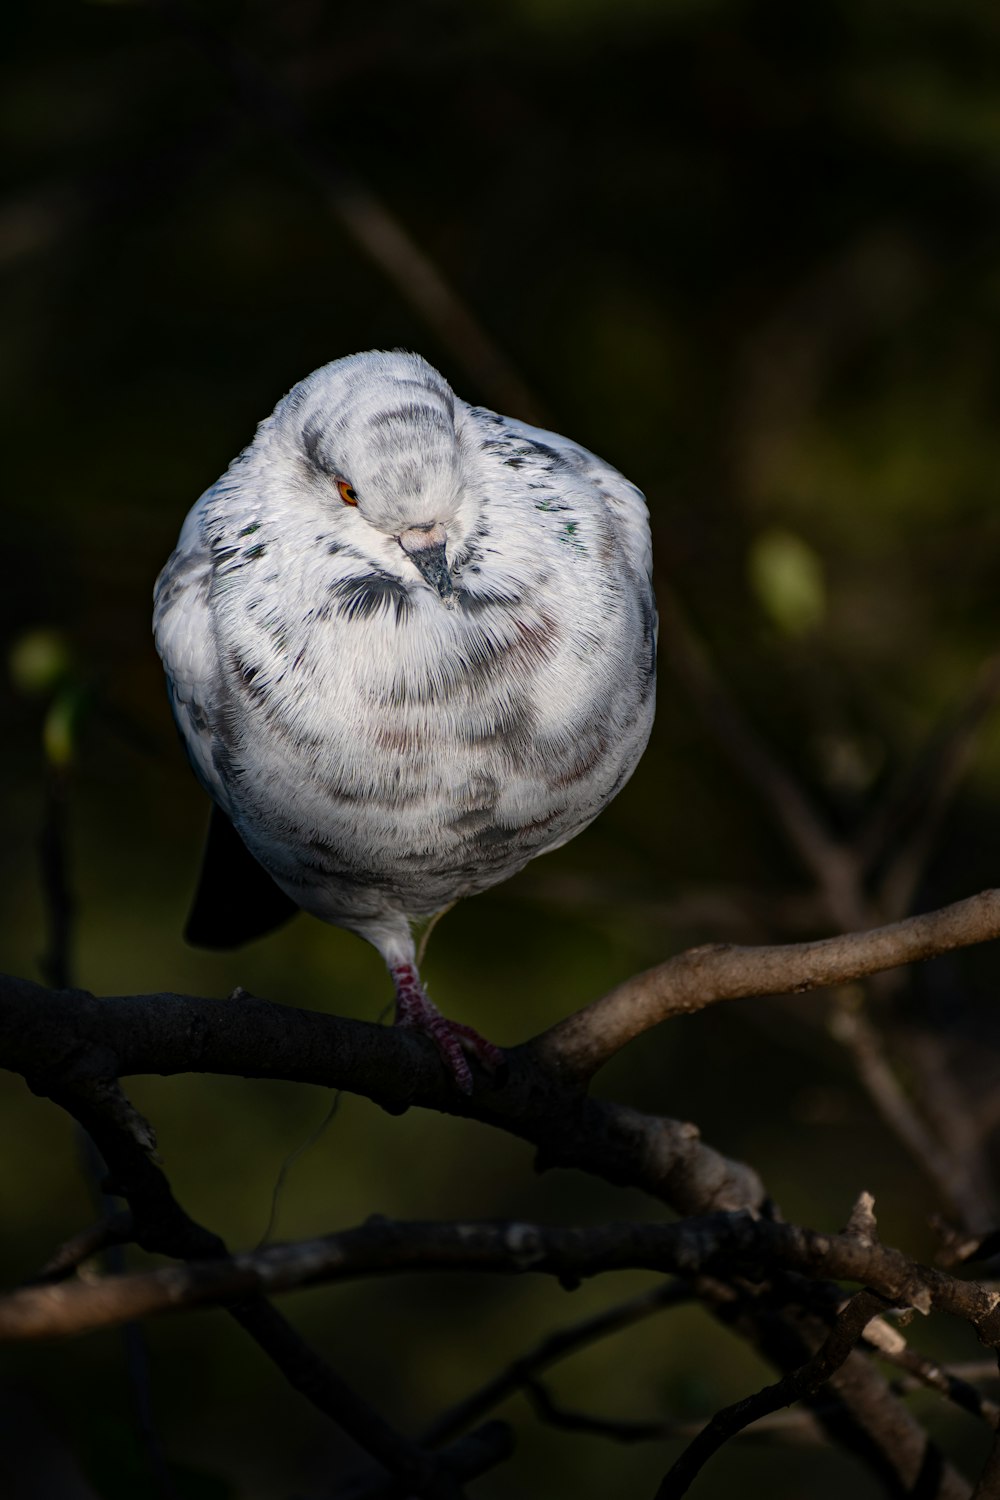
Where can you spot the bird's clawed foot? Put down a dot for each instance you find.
(451, 1038)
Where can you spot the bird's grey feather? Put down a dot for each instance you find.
(383, 750)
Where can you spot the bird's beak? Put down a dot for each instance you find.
(425, 547)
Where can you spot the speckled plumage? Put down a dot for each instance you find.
(393, 724)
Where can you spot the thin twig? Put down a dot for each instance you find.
(952, 1382)
(947, 1102)
(293, 1156)
(800, 1425)
(472, 1455)
(619, 1429)
(845, 1333)
(988, 1483)
(853, 1029)
(554, 1347)
(831, 863)
(117, 1229)
(426, 933)
(900, 833)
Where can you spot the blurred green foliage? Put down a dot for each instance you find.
(749, 252)
(787, 577)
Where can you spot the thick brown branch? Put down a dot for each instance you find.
(42, 1032)
(52, 1036)
(48, 1035)
(571, 1254)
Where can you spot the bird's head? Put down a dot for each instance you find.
(375, 434)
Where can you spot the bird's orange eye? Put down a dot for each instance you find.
(347, 492)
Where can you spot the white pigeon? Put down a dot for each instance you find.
(410, 644)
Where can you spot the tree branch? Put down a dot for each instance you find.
(554, 1347)
(116, 1229)
(951, 1174)
(52, 1036)
(954, 1383)
(509, 1247)
(845, 1333)
(988, 1484)
(65, 1042)
(162, 1225)
(703, 976)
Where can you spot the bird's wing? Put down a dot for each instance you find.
(236, 899)
(185, 639)
(625, 499)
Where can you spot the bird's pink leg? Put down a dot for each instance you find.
(451, 1038)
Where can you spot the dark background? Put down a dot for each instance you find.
(749, 253)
